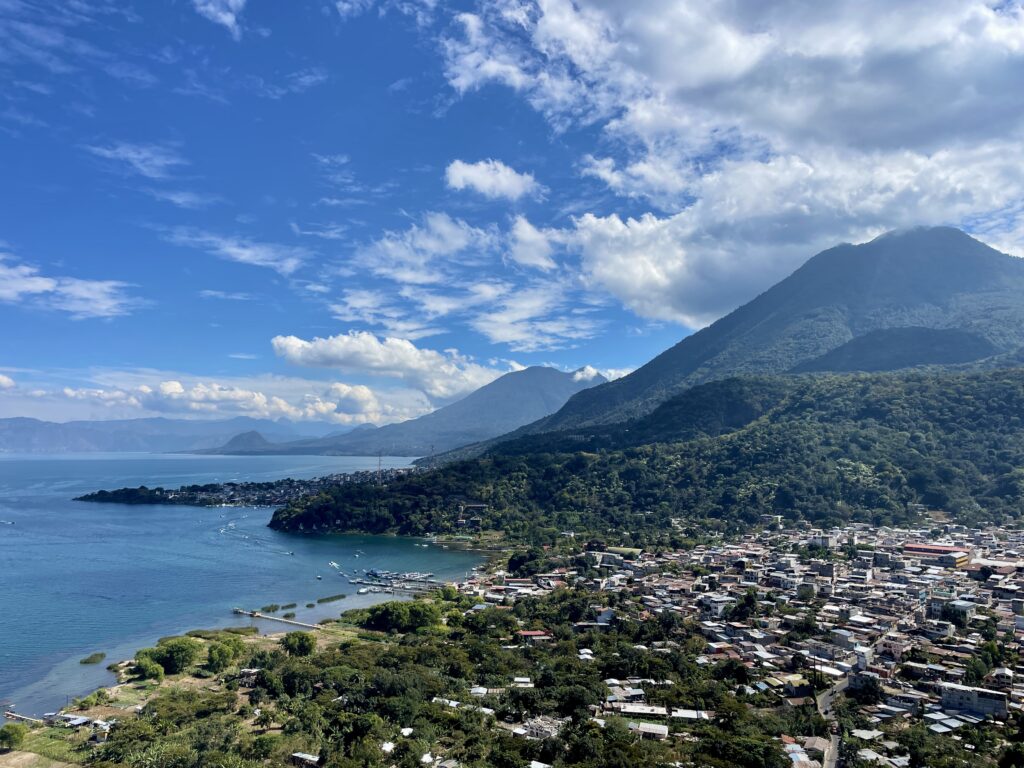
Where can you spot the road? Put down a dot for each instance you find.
(825, 702)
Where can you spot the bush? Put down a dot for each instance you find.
(148, 669)
(93, 658)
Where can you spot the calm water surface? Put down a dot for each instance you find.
(77, 578)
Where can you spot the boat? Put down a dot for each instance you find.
(363, 590)
(318, 577)
(333, 564)
(289, 553)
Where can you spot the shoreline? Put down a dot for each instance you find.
(268, 626)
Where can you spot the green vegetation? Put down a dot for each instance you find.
(174, 655)
(12, 735)
(823, 448)
(397, 617)
(93, 658)
(900, 284)
(299, 643)
(345, 700)
(95, 699)
(332, 598)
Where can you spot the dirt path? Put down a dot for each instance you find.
(29, 760)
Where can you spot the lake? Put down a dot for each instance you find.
(79, 577)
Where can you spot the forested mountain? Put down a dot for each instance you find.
(916, 297)
(505, 404)
(23, 435)
(822, 448)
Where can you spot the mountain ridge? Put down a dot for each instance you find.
(931, 278)
(22, 434)
(508, 402)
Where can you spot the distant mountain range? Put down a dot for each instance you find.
(154, 435)
(505, 404)
(912, 298)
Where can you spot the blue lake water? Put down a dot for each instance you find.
(79, 577)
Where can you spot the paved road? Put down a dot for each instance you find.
(826, 708)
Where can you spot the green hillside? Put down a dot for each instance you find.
(819, 448)
(927, 278)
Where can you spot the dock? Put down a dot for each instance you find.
(23, 718)
(292, 622)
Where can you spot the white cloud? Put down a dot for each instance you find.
(6, 382)
(121, 394)
(762, 132)
(533, 317)
(375, 309)
(441, 375)
(589, 373)
(154, 161)
(285, 259)
(223, 12)
(82, 299)
(226, 295)
(349, 8)
(299, 81)
(529, 246)
(422, 254)
(184, 198)
(492, 179)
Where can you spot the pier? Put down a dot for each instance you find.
(23, 718)
(292, 622)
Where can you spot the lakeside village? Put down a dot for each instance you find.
(871, 633)
(275, 493)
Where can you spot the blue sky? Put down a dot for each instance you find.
(358, 211)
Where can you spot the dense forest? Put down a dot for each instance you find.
(824, 448)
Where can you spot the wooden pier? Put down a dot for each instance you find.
(292, 622)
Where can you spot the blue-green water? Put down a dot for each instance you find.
(77, 578)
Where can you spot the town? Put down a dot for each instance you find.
(902, 626)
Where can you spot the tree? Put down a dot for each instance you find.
(12, 735)
(1013, 757)
(177, 654)
(219, 657)
(299, 643)
(264, 719)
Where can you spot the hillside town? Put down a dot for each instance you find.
(878, 628)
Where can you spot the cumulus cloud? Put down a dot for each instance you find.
(492, 179)
(24, 284)
(6, 382)
(153, 161)
(530, 247)
(223, 12)
(125, 393)
(442, 375)
(281, 258)
(759, 133)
